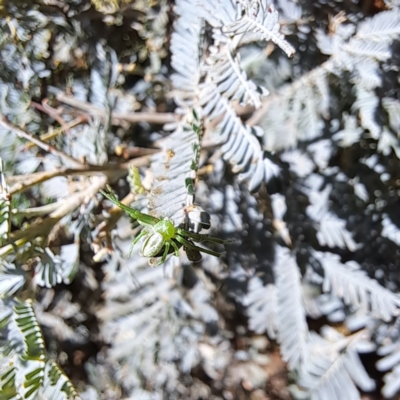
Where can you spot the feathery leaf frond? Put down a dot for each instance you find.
(8, 387)
(11, 279)
(5, 206)
(241, 147)
(333, 367)
(57, 385)
(185, 49)
(350, 283)
(264, 24)
(390, 362)
(291, 319)
(174, 170)
(261, 303)
(332, 231)
(382, 27)
(34, 354)
(27, 373)
(224, 70)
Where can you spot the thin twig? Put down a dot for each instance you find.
(130, 152)
(51, 134)
(46, 147)
(43, 227)
(78, 198)
(111, 171)
(45, 108)
(150, 117)
(38, 211)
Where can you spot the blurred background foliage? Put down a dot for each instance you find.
(91, 80)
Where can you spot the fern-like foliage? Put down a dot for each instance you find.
(261, 302)
(27, 373)
(309, 113)
(323, 248)
(225, 72)
(389, 363)
(289, 309)
(5, 206)
(7, 380)
(302, 106)
(174, 172)
(331, 230)
(54, 269)
(357, 289)
(154, 326)
(260, 22)
(334, 366)
(57, 385)
(33, 354)
(211, 84)
(223, 79)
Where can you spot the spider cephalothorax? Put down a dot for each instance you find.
(162, 237)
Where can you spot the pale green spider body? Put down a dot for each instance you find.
(161, 235)
(162, 232)
(153, 245)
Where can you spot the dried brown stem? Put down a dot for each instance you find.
(51, 134)
(130, 152)
(43, 145)
(42, 228)
(150, 117)
(111, 171)
(38, 211)
(45, 108)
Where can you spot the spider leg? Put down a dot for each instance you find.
(167, 245)
(137, 238)
(146, 225)
(141, 234)
(191, 246)
(144, 219)
(193, 255)
(175, 248)
(111, 196)
(197, 237)
(131, 248)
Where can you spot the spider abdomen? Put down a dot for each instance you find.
(153, 244)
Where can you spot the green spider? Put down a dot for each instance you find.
(162, 237)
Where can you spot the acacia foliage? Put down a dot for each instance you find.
(310, 287)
